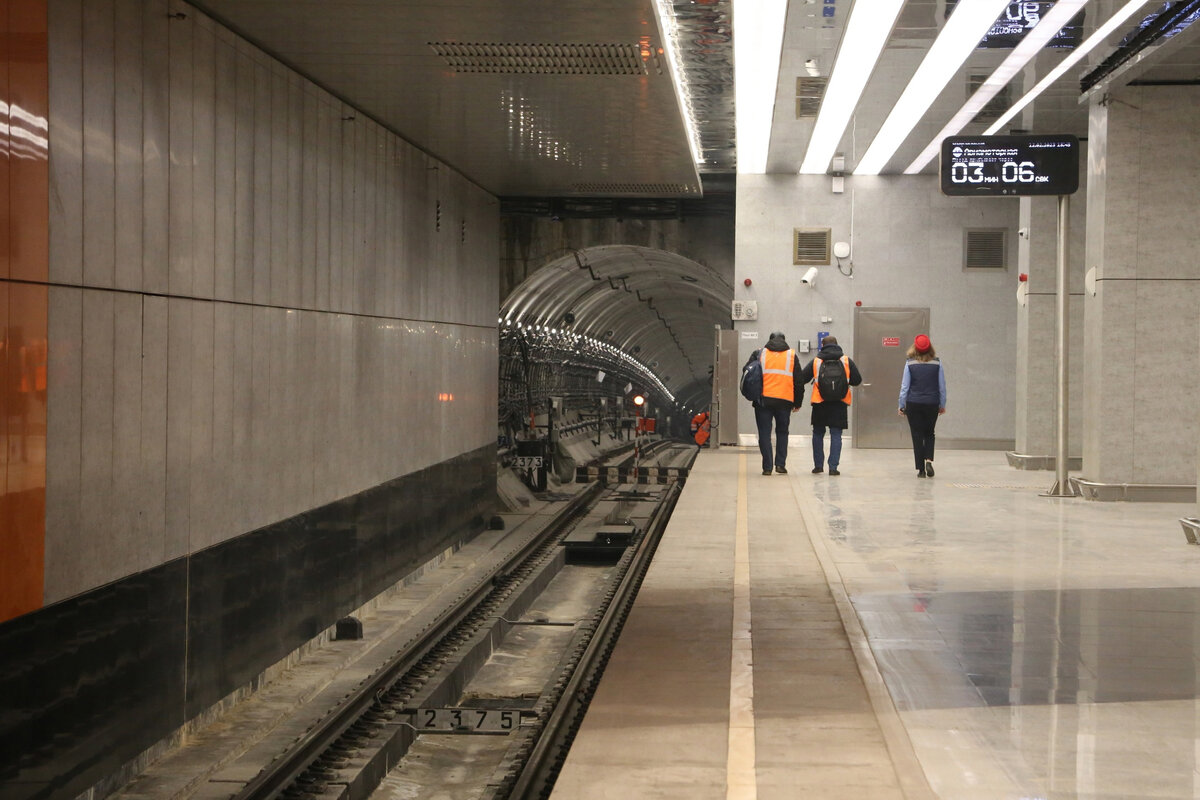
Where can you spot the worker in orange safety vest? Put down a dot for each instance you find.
(700, 428)
(782, 393)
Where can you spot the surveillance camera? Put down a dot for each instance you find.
(1023, 233)
(810, 277)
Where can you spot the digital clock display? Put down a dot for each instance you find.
(1010, 165)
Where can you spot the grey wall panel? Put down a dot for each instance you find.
(152, 480)
(99, 176)
(307, 195)
(180, 191)
(225, 165)
(262, 185)
(128, 137)
(295, 191)
(278, 103)
(202, 498)
(63, 441)
(155, 166)
(179, 427)
(126, 535)
(242, 199)
(66, 146)
(255, 476)
(95, 534)
(203, 200)
(321, 198)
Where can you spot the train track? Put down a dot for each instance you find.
(431, 700)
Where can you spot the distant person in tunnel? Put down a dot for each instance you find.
(922, 400)
(771, 381)
(832, 374)
(701, 428)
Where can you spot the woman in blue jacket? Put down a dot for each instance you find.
(922, 399)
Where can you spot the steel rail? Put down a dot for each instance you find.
(285, 769)
(537, 776)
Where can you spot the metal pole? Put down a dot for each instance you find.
(1062, 484)
(714, 408)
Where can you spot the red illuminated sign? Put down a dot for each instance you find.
(891, 341)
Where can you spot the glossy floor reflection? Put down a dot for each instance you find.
(1034, 647)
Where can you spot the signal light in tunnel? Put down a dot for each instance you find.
(445, 397)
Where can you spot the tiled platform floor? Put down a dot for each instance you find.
(958, 637)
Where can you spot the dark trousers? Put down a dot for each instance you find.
(922, 417)
(764, 416)
(835, 447)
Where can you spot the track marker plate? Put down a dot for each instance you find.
(465, 720)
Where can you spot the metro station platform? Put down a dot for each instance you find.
(877, 635)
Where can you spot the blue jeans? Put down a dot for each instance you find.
(764, 416)
(835, 447)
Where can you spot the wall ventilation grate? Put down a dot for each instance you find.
(542, 59)
(810, 246)
(809, 92)
(632, 188)
(985, 248)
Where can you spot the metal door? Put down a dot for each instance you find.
(881, 338)
(723, 413)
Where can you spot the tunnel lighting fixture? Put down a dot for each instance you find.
(683, 93)
(867, 32)
(1032, 43)
(967, 25)
(1086, 47)
(757, 46)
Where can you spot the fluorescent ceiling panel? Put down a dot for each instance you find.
(1102, 33)
(670, 31)
(757, 41)
(867, 31)
(1030, 45)
(959, 37)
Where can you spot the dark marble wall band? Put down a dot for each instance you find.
(89, 683)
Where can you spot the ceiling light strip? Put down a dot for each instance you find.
(958, 39)
(757, 44)
(1102, 33)
(1032, 43)
(867, 32)
(670, 30)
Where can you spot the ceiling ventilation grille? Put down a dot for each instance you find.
(986, 248)
(542, 59)
(809, 92)
(995, 107)
(810, 246)
(632, 188)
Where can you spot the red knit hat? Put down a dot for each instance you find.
(921, 343)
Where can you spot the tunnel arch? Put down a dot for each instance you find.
(655, 307)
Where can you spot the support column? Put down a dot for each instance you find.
(1141, 349)
(1035, 409)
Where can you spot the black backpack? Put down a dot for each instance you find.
(752, 380)
(831, 381)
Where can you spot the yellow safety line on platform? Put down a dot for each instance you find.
(740, 781)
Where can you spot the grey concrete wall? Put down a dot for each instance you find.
(254, 308)
(908, 244)
(1141, 327)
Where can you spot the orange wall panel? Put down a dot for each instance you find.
(24, 270)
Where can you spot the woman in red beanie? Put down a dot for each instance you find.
(922, 399)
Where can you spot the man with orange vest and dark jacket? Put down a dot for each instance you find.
(782, 393)
(832, 373)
